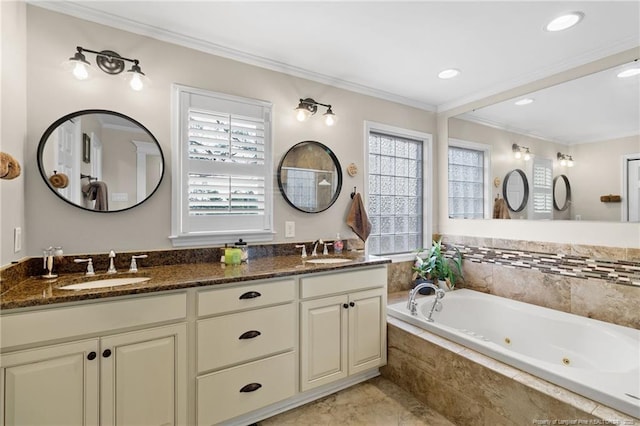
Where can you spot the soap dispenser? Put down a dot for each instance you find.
(244, 252)
(338, 244)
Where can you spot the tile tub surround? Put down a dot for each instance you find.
(469, 388)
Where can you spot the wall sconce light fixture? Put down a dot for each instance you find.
(307, 107)
(565, 160)
(110, 62)
(520, 151)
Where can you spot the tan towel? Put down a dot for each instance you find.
(500, 209)
(97, 191)
(357, 218)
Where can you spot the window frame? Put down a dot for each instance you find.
(180, 234)
(427, 179)
(487, 192)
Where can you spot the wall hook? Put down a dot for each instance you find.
(353, 194)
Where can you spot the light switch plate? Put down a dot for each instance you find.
(289, 229)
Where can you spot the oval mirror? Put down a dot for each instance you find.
(515, 190)
(561, 193)
(100, 160)
(310, 177)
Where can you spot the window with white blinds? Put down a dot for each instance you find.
(468, 165)
(542, 188)
(224, 169)
(396, 196)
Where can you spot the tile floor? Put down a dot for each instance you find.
(375, 402)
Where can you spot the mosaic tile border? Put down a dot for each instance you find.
(624, 272)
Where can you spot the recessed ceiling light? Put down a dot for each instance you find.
(630, 72)
(565, 21)
(449, 73)
(523, 101)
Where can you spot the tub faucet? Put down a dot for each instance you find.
(412, 305)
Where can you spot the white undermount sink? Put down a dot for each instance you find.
(109, 282)
(329, 260)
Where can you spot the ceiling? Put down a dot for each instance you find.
(389, 49)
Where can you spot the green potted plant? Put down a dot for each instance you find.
(436, 266)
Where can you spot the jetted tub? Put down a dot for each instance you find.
(593, 358)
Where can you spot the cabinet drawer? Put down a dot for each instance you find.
(246, 296)
(235, 338)
(342, 282)
(238, 390)
(90, 318)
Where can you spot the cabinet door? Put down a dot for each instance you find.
(323, 341)
(367, 330)
(143, 377)
(53, 385)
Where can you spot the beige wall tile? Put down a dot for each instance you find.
(477, 276)
(599, 252)
(633, 254)
(548, 247)
(531, 286)
(399, 276)
(509, 244)
(605, 301)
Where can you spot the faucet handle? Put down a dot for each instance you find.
(134, 266)
(324, 250)
(112, 267)
(89, 262)
(304, 249)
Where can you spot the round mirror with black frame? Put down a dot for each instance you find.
(310, 177)
(515, 190)
(561, 193)
(100, 160)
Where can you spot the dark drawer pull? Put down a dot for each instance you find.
(106, 353)
(344, 305)
(251, 387)
(249, 334)
(352, 304)
(91, 356)
(250, 295)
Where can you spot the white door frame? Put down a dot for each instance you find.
(625, 183)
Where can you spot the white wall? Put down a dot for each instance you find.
(52, 38)
(13, 123)
(577, 232)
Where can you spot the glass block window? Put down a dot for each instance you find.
(222, 167)
(466, 183)
(395, 194)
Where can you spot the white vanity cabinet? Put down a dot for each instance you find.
(246, 340)
(342, 325)
(125, 378)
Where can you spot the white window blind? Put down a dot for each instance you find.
(223, 179)
(542, 189)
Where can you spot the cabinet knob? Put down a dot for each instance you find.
(249, 334)
(352, 304)
(250, 295)
(106, 353)
(251, 387)
(91, 356)
(345, 306)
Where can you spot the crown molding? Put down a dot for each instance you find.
(84, 11)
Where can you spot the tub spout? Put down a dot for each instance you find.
(412, 305)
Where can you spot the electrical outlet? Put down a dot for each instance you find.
(289, 229)
(17, 239)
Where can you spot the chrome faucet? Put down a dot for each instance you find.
(412, 305)
(314, 252)
(324, 250)
(134, 266)
(89, 262)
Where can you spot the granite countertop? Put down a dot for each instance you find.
(37, 291)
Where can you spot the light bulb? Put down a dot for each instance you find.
(329, 120)
(527, 155)
(518, 154)
(80, 71)
(301, 114)
(565, 21)
(570, 162)
(136, 82)
(563, 162)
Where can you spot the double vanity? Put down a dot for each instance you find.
(196, 343)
